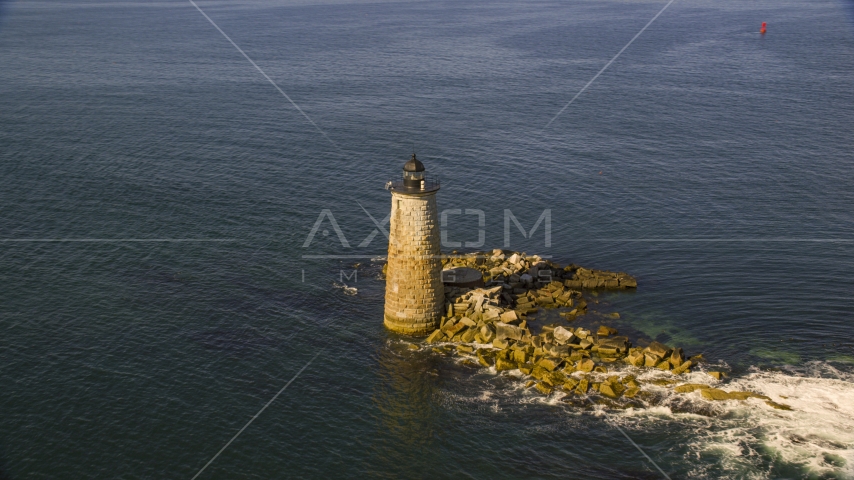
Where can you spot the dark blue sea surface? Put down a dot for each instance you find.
(157, 195)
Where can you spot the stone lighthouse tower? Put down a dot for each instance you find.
(414, 294)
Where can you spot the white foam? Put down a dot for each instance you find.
(815, 438)
(735, 439)
(821, 422)
(347, 289)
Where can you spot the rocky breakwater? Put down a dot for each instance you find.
(490, 327)
(520, 272)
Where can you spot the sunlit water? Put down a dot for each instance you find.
(712, 163)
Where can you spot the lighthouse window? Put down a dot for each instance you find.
(413, 175)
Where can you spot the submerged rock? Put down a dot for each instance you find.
(606, 331)
(689, 387)
(778, 406)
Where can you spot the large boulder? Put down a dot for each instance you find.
(563, 336)
(677, 357)
(570, 384)
(630, 381)
(619, 342)
(488, 332)
(539, 372)
(611, 389)
(555, 379)
(468, 335)
(564, 299)
(491, 314)
(545, 301)
(509, 317)
(557, 350)
(609, 352)
(585, 365)
(467, 322)
(524, 303)
(452, 329)
(659, 349)
(505, 330)
(714, 394)
(550, 363)
(718, 394)
(651, 359)
(636, 358)
(683, 368)
(631, 392)
(502, 364)
(746, 395)
(544, 388)
(436, 336)
(483, 358)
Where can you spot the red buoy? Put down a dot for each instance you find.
(763, 29)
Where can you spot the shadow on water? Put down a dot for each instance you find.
(4, 471)
(407, 412)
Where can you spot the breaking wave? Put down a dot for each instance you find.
(727, 439)
(750, 439)
(715, 439)
(814, 439)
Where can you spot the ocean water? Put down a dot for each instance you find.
(712, 163)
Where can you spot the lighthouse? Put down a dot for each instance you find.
(414, 294)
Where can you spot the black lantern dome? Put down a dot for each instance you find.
(413, 173)
(413, 165)
(414, 181)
